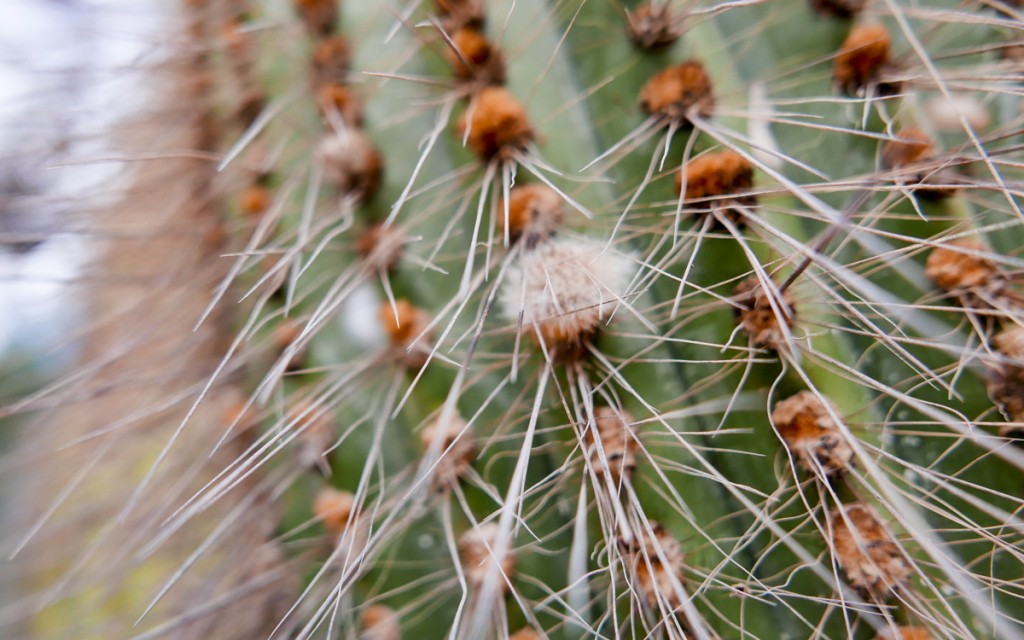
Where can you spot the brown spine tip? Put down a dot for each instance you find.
(717, 176)
(654, 27)
(351, 163)
(336, 98)
(334, 508)
(526, 633)
(381, 247)
(958, 272)
(1005, 380)
(679, 91)
(456, 14)
(535, 213)
(331, 60)
(757, 317)
(458, 449)
(838, 8)
(319, 16)
(617, 443)
(475, 58)
(871, 559)
(380, 623)
(805, 424)
(497, 122)
(475, 549)
(862, 59)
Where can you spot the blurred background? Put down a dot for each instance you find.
(69, 72)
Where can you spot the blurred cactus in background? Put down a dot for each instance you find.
(527, 319)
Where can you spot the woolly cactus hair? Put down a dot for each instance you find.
(475, 59)
(655, 25)
(614, 449)
(335, 509)
(535, 213)
(715, 180)
(908, 147)
(863, 60)
(659, 566)
(873, 562)
(565, 290)
(380, 623)
(351, 163)
(256, 199)
(381, 247)
(495, 124)
(679, 92)
(964, 270)
(1005, 379)
(810, 432)
(337, 99)
(765, 319)
(330, 61)
(477, 549)
(457, 450)
(912, 158)
(406, 327)
(314, 433)
(960, 265)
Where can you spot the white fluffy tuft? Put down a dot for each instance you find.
(569, 287)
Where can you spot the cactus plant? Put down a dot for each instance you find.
(522, 318)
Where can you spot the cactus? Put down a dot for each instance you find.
(522, 318)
